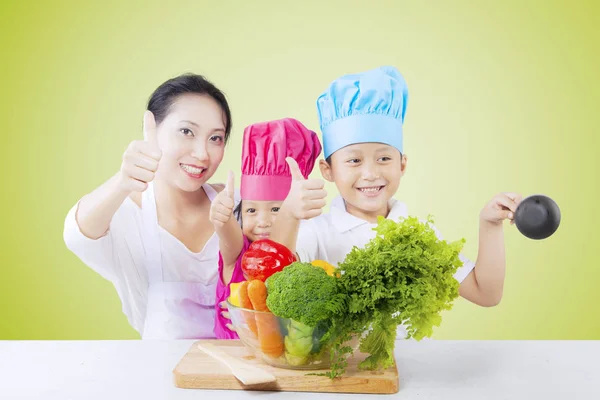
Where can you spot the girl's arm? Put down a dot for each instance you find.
(231, 242)
(230, 234)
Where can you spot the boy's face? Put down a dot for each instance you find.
(367, 175)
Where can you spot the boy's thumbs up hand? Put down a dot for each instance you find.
(306, 198)
(294, 169)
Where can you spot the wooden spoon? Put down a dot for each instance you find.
(244, 372)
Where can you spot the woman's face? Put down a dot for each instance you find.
(192, 141)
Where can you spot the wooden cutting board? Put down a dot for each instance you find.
(197, 370)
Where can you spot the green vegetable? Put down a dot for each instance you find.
(308, 296)
(403, 275)
(298, 343)
(298, 346)
(296, 360)
(299, 340)
(303, 293)
(297, 329)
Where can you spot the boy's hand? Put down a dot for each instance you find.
(221, 208)
(307, 197)
(500, 208)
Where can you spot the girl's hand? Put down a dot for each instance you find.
(501, 207)
(140, 160)
(225, 314)
(222, 206)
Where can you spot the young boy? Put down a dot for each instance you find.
(361, 118)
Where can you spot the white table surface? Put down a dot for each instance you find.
(428, 369)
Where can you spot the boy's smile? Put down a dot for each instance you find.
(371, 191)
(367, 176)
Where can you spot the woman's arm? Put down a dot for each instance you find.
(97, 208)
(140, 163)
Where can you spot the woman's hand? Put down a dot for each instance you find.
(140, 160)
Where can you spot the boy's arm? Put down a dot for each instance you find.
(484, 286)
(285, 228)
(305, 200)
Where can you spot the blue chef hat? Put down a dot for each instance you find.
(364, 107)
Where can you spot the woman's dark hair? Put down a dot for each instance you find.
(165, 95)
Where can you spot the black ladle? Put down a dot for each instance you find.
(537, 217)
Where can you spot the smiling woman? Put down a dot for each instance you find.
(147, 229)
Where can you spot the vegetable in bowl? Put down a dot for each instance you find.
(403, 276)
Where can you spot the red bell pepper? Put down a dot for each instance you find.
(265, 257)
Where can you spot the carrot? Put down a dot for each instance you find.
(257, 292)
(269, 334)
(246, 303)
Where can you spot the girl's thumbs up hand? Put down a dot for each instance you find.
(221, 208)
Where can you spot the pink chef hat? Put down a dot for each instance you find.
(265, 173)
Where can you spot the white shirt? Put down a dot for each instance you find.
(119, 257)
(331, 236)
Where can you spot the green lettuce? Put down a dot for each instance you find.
(402, 276)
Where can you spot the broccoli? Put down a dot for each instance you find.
(302, 292)
(307, 296)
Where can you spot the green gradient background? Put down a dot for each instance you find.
(503, 97)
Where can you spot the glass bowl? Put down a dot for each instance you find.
(282, 342)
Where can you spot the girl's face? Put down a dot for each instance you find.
(192, 141)
(258, 217)
(367, 176)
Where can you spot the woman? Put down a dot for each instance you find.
(147, 229)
